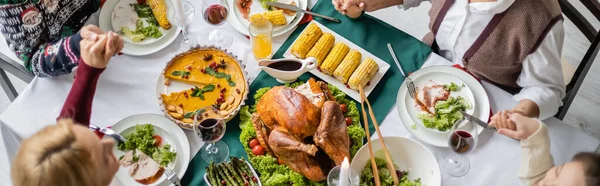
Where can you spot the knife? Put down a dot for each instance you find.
(296, 9)
(476, 120)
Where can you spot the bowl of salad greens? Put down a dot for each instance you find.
(415, 165)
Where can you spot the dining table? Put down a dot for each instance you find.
(128, 87)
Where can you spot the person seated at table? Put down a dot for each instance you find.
(537, 164)
(45, 34)
(69, 153)
(514, 44)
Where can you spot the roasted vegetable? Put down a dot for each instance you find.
(335, 57)
(276, 17)
(348, 66)
(306, 41)
(322, 47)
(159, 8)
(363, 74)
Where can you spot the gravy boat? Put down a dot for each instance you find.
(285, 76)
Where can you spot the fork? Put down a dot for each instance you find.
(172, 176)
(108, 132)
(410, 84)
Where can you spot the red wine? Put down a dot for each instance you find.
(461, 141)
(216, 14)
(286, 65)
(211, 130)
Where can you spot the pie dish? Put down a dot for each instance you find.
(210, 77)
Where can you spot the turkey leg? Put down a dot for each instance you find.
(296, 154)
(332, 134)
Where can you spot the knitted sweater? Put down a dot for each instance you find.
(536, 159)
(78, 105)
(44, 33)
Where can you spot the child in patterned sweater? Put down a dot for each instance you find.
(45, 34)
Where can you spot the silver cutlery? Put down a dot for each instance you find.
(472, 118)
(108, 132)
(172, 176)
(296, 9)
(412, 90)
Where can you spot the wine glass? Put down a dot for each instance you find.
(462, 139)
(209, 126)
(181, 14)
(215, 13)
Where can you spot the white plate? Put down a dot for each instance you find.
(251, 168)
(170, 133)
(481, 104)
(135, 49)
(383, 66)
(237, 20)
(407, 155)
(124, 15)
(441, 78)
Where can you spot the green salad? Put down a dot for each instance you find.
(143, 139)
(145, 27)
(263, 3)
(385, 176)
(271, 172)
(446, 112)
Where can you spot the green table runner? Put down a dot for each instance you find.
(367, 32)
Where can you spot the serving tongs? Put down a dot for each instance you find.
(388, 158)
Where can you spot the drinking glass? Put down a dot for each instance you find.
(215, 13)
(462, 139)
(261, 38)
(189, 40)
(209, 126)
(334, 176)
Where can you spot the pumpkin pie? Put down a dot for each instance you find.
(218, 80)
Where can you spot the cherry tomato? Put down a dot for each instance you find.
(157, 140)
(141, 1)
(348, 121)
(253, 143)
(258, 150)
(344, 108)
(223, 182)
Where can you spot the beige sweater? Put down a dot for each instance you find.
(536, 159)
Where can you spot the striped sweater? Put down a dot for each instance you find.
(44, 33)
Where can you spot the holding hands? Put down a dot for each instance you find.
(354, 8)
(97, 47)
(515, 125)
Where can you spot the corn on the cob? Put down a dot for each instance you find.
(322, 48)
(276, 17)
(255, 17)
(334, 58)
(348, 65)
(306, 41)
(363, 74)
(159, 9)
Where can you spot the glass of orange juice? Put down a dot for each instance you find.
(261, 38)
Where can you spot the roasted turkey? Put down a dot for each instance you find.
(303, 127)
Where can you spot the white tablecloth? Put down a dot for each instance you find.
(127, 87)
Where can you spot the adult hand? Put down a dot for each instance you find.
(525, 127)
(90, 32)
(96, 53)
(501, 120)
(115, 42)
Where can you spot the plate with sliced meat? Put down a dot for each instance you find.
(153, 144)
(442, 92)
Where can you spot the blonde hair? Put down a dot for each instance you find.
(54, 156)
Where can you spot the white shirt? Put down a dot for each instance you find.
(541, 77)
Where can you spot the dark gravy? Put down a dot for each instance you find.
(286, 65)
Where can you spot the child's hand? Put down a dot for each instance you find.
(525, 127)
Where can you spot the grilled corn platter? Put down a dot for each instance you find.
(340, 62)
